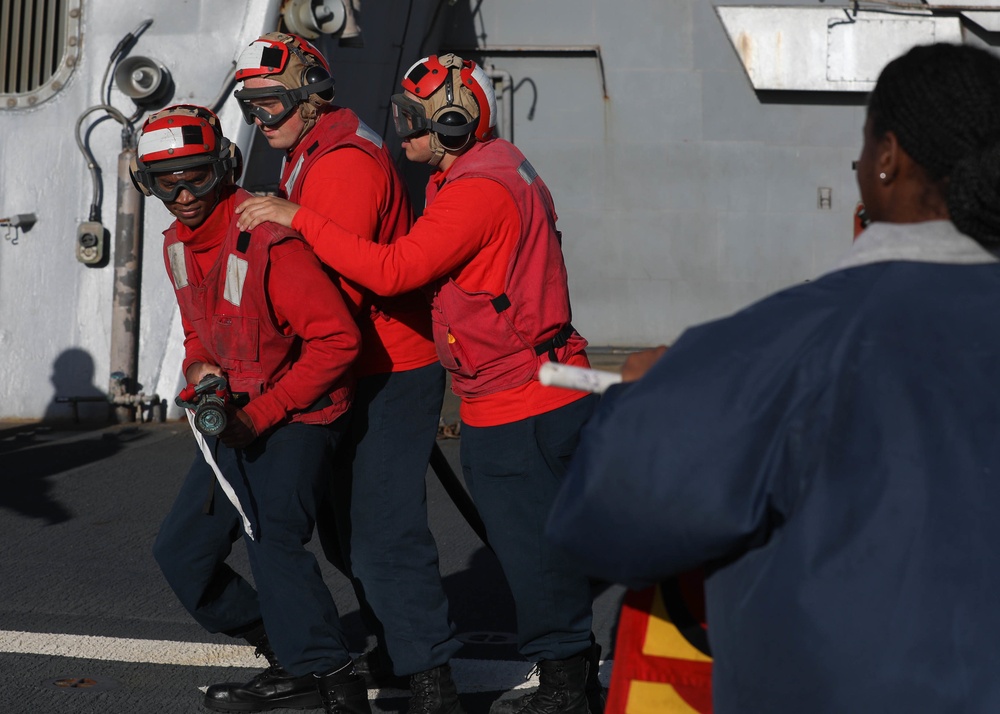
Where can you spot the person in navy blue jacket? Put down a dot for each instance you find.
(831, 454)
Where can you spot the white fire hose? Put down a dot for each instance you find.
(554, 374)
(226, 487)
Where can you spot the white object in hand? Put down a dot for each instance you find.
(554, 374)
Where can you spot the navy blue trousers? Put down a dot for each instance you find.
(280, 480)
(384, 542)
(513, 472)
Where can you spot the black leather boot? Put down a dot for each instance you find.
(271, 689)
(343, 692)
(561, 689)
(433, 692)
(377, 671)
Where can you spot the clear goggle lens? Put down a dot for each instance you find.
(408, 117)
(269, 104)
(411, 121)
(199, 181)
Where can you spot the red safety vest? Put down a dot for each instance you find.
(494, 342)
(229, 310)
(339, 129)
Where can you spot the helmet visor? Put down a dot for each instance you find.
(269, 104)
(198, 180)
(411, 121)
(408, 116)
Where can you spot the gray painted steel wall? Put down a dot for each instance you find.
(683, 195)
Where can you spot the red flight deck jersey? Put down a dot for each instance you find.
(342, 169)
(261, 306)
(466, 235)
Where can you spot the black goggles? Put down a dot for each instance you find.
(270, 104)
(408, 116)
(410, 120)
(166, 185)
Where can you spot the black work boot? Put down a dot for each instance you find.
(433, 692)
(271, 689)
(343, 692)
(561, 689)
(377, 672)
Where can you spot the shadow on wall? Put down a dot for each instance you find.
(30, 459)
(76, 399)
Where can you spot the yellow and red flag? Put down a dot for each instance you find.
(662, 659)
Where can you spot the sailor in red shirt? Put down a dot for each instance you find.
(259, 310)
(487, 251)
(337, 166)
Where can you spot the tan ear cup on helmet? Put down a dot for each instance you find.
(237, 158)
(452, 113)
(311, 74)
(441, 144)
(133, 169)
(315, 74)
(310, 70)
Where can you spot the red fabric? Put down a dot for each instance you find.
(692, 680)
(467, 234)
(311, 323)
(526, 400)
(489, 348)
(203, 243)
(329, 187)
(344, 175)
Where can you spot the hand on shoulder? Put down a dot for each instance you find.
(258, 209)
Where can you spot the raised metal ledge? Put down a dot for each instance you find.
(538, 51)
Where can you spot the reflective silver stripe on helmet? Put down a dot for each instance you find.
(153, 142)
(252, 56)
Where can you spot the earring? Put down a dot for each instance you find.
(882, 175)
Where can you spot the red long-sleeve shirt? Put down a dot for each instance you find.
(306, 303)
(349, 185)
(467, 233)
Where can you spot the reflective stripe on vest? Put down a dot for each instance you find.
(236, 276)
(229, 310)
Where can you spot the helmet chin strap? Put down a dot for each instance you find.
(308, 113)
(437, 150)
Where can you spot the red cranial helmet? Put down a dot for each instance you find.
(181, 138)
(293, 62)
(455, 102)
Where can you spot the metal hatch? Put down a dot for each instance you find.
(826, 49)
(39, 49)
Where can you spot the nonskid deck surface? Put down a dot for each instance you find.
(88, 624)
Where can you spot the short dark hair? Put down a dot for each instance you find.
(942, 102)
